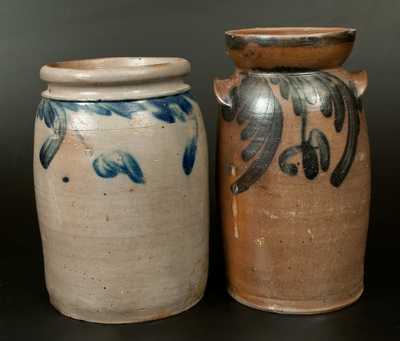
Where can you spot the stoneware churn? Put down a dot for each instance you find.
(121, 179)
(294, 170)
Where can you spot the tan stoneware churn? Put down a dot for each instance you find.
(121, 180)
(294, 170)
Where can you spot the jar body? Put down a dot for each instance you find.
(294, 175)
(122, 198)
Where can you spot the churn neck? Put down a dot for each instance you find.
(115, 79)
(307, 48)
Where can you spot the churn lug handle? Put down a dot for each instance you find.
(222, 89)
(360, 79)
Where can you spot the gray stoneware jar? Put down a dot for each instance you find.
(121, 181)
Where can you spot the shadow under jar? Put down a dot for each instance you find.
(294, 170)
(121, 181)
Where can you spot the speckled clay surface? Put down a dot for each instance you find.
(121, 180)
(294, 170)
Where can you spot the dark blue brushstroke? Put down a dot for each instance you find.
(165, 115)
(55, 119)
(47, 113)
(188, 94)
(111, 164)
(39, 111)
(123, 108)
(184, 104)
(73, 106)
(169, 108)
(189, 156)
(49, 150)
(99, 109)
(172, 108)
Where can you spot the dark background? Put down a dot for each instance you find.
(33, 33)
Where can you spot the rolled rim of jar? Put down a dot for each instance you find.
(110, 79)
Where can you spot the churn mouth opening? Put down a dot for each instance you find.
(275, 34)
(293, 47)
(114, 70)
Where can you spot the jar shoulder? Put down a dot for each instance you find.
(127, 114)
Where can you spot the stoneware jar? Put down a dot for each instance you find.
(294, 170)
(121, 180)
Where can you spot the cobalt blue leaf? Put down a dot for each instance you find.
(125, 109)
(177, 112)
(100, 109)
(105, 168)
(97, 108)
(49, 114)
(109, 165)
(49, 150)
(84, 106)
(179, 106)
(73, 106)
(54, 118)
(189, 156)
(113, 108)
(165, 116)
(122, 108)
(164, 113)
(132, 169)
(188, 94)
(171, 108)
(40, 110)
(185, 105)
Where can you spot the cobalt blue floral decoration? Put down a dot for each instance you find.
(169, 109)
